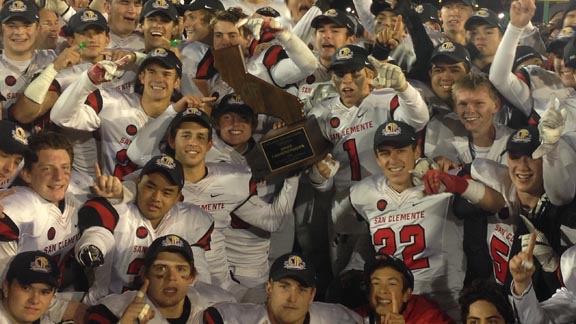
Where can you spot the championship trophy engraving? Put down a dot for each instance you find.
(298, 145)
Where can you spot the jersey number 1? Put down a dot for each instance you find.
(350, 148)
(408, 234)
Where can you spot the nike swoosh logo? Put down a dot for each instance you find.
(215, 195)
(416, 203)
(360, 115)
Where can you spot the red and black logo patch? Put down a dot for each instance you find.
(334, 122)
(51, 233)
(310, 79)
(10, 80)
(381, 204)
(131, 130)
(141, 232)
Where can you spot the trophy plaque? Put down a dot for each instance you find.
(298, 145)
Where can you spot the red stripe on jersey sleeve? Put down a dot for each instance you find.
(522, 77)
(253, 190)
(94, 100)
(274, 55)
(237, 223)
(206, 68)
(204, 242)
(98, 212)
(212, 316)
(394, 104)
(55, 86)
(8, 230)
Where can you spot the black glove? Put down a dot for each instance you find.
(90, 257)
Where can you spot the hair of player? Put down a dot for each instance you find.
(171, 135)
(489, 291)
(46, 140)
(383, 265)
(231, 15)
(473, 81)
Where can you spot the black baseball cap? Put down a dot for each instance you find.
(165, 57)
(268, 12)
(168, 166)
(168, 243)
(165, 7)
(383, 261)
(87, 18)
(561, 40)
(523, 54)
(483, 16)
(471, 3)
(191, 115)
(336, 16)
(570, 54)
(294, 266)
(427, 12)
(350, 58)
(22, 9)
(233, 103)
(13, 137)
(452, 53)
(396, 134)
(211, 6)
(524, 141)
(378, 6)
(34, 267)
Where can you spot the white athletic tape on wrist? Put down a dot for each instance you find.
(143, 312)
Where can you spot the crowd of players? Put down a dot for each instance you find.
(126, 188)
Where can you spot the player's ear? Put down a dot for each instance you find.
(26, 176)
(5, 289)
(268, 287)
(406, 295)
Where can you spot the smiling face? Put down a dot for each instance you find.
(49, 29)
(195, 25)
(442, 77)
(191, 143)
(159, 82)
(226, 34)
(19, 38)
(49, 176)
(386, 285)
(235, 129)
(526, 173)
(156, 195)
(288, 300)
(26, 303)
(157, 30)
(329, 37)
(123, 16)
(353, 86)
(96, 41)
(396, 163)
(476, 109)
(169, 275)
(454, 15)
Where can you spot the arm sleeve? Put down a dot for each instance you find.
(364, 14)
(269, 216)
(560, 308)
(300, 64)
(97, 222)
(146, 143)
(559, 173)
(212, 316)
(509, 85)
(413, 109)
(78, 106)
(303, 28)
(7, 251)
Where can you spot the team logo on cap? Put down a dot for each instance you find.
(522, 136)
(447, 47)
(17, 6)
(482, 13)
(172, 240)
(88, 15)
(344, 54)
(159, 52)
(419, 9)
(294, 262)
(40, 264)
(166, 162)
(331, 13)
(160, 4)
(392, 129)
(565, 32)
(235, 99)
(192, 111)
(18, 134)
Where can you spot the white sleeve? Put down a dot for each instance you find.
(7, 251)
(301, 61)
(201, 265)
(413, 109)
(560, 308)
(303, 28)
(270, 216)
(71, 111)
(559, 173)
(145, 145)
(364, 14)
(507, 83)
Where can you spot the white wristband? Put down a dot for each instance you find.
(38, 89)
(474, 193)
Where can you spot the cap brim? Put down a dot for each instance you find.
(83, 28)
(45, 279)
(160, 169)
(160, 61)
(395, 143)
(300, 280)
(242, 109)
(26, 18)
(319, 19)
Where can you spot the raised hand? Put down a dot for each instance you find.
(389, 75)
(260, 26)
(138, 311)
(521, 12)
(522, 266)
(328, 167)
(392, 37)
(105, 71)
(106, 186)
(393, 317)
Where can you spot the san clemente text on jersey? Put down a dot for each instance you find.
(62, 244)
(352, 129)
(139, 249)
(509, 236)
(212, 207)
(399, 217)
(12, 95)
(125, 141)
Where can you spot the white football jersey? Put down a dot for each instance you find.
(132, 235)
(419, 229)
(192, 55)
(13, 81)
(318, 313)
(134, 42)
(36, 224)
